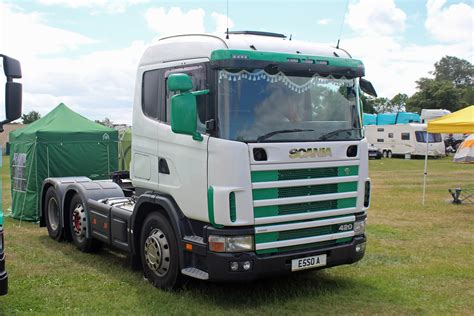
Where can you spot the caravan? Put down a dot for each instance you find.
(404, 139)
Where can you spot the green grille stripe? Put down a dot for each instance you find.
(307, 190)
(297, 174)
(297, 233)
(289, 209)
(306, 246)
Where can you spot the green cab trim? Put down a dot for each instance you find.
(210, 207)
(232, 207)
(222, 54)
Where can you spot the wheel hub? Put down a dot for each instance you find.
(79, 221)
(157, 252)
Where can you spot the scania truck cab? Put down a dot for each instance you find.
(248, 160)
(13, 96)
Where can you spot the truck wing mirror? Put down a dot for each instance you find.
(183, 105)
(13, 90)
(367, 87)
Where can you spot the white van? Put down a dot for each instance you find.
(431, 114)
(404, 139)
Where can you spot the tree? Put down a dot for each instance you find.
(106, 122)
(398, 102)
(436, 94)
(367, 104)
(30, 117)
(458, 71)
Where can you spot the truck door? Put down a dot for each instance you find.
(182, 160)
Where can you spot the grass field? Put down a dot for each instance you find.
(420, 260)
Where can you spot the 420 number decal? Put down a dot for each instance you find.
(345, 227)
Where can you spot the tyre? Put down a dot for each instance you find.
(159, 253)
(384, 154)
(78, 222)
(52, 214)
(389, 154)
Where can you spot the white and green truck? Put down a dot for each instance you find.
(248, 160)
(13, 100)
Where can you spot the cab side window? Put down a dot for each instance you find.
(152, 90)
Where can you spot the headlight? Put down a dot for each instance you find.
(359, 227)
(230, 243)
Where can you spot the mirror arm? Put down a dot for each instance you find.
(200, 92)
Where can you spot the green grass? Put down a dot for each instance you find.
(419, 261)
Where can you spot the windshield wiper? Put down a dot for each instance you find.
(283, 131)
(336, 132)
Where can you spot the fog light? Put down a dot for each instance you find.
(234, 266)
(247, 265)
(360, 247)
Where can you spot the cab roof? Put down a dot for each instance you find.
(193, 46)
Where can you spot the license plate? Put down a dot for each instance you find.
(308, 262)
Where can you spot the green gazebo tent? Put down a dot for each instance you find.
(125, 149)
(62, 143)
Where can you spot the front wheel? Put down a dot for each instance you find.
(79, 224)
(159, 252)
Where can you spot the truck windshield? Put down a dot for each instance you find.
(256, 106)
(432, 138)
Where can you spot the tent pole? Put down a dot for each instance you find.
(425, 173)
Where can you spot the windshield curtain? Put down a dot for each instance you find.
(258, 106)
(432, 138)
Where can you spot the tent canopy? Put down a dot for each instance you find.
(60, 121)
(459, 122)
(62, 143)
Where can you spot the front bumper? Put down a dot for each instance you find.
(218, 264)
(3, 275)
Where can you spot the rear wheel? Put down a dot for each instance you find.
(159, 253)
(78, 222)
(384, 154)
(389, 154)
(52, 214)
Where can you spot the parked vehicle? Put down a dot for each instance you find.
(431, 114)
(12, 70)
(404, 139)
(247, 160)
(374, 152)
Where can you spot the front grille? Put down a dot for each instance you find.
(270, 213)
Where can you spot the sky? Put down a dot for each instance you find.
(84, 53)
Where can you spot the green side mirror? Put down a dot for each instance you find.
(179, 82)
(184, 115)
(183, 106)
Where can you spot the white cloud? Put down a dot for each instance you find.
(324, 21)
(96, 85)
(174, 21)
(31, 36)
(452, 24)
(221, 22)
(375, 17)
(107, 6)
(394, 66)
